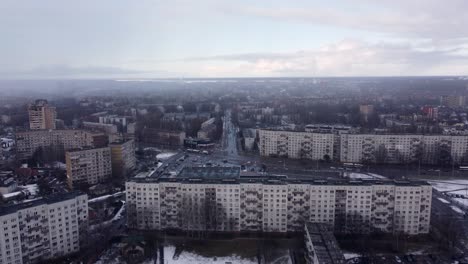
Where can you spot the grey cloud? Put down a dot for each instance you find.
(350, 57)
(250, 57)
(67, 71)
(425, 19)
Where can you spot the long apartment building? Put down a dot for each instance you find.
(368, 148)
(27, 142)
(162, 137)
(428, 149)
(41, 115)
(293, 144)
(88, 166)
(43, 229)
(219, 199)
(107, 128)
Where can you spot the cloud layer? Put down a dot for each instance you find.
(345, 58)
(221, 38)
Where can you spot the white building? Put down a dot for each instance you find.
(365, 148)
(296, 145)
(113, 119)
(88, 166)
(43, 229)
(428, 149)
(218, 199)
(27, 142)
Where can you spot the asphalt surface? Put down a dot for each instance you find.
(229, 137)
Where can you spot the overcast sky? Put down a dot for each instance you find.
(235, 38)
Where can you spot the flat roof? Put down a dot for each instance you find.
(54, 198)
(120, 142)
(216, 175)
(210, 172)
(85, 148)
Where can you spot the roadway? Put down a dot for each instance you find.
(453, 223)
(229, 137)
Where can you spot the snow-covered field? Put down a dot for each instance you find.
(166, 155)
(449, 185)
(456, 191)
(111, 256)
(351, 255)
(191, 258)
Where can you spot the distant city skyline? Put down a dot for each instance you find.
(211, 39)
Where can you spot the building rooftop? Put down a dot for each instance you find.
(232, 175)
(8, 209)
(210, 172)
(22, 131)
(7, 178)
(85, 148)
(120, 142)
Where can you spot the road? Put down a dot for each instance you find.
(450, 222)
(229, 138)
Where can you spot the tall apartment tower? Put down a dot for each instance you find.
(454, 101)
(41, 115)
(123, 158)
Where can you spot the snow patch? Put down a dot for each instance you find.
(163, 156)
(104, 197)
(33, 189)
(456, 209)
(355, 175)
(192, 258)
(377, 176)
(351, 255)
(449, 185)
(11, 195)
(443, 200)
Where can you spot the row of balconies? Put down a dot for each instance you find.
(252, 211)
